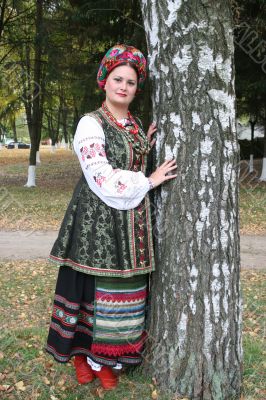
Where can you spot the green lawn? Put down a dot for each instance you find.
(41, 207)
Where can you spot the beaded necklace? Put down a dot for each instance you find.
(134, 135)
(135, 129)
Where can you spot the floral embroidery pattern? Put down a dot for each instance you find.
(67, 319)
(93, 150)
(99, 178)
(84, 151)
(120, 187)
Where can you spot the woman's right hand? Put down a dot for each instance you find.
(160, 174)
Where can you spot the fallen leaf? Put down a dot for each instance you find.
(61, 382)
(3, 388)
(154, 395)
(154, 380)
(2, 376)
(46, 380)
(1, 355)
(20, 386)
(100, 392)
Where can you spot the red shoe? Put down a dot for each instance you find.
(83, 370)
(107, 378)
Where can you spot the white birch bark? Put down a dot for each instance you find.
(251, 163)
(38, 158)
(31, 176)
(263, 172)
(194, 347)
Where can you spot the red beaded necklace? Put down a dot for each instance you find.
(133, 130)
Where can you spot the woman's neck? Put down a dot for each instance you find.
(119, 112)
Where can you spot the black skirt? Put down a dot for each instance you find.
(71, 328)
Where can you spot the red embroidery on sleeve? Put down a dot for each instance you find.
(120, 187)
(99, 178)
(84, 151)
(94, 150)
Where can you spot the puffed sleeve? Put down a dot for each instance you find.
(120, 189)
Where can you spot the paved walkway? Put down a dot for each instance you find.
(27, 245)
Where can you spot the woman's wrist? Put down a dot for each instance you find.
(151, 183)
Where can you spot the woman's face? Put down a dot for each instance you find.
(121, 85)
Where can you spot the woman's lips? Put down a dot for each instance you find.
(121, 94)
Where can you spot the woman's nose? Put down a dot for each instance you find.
(123, 85)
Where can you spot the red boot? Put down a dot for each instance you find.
(107, 378)
(83, 370)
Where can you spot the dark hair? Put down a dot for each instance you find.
(129, 64)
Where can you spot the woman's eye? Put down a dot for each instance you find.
(131, 83)
(117, 79)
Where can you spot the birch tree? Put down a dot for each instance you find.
(194, 347)
(34, 114)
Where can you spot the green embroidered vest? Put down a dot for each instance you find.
(97, 239)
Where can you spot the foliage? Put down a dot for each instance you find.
(74, 36)
(250, 61)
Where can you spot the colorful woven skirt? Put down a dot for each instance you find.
(101, 317)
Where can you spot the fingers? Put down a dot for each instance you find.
(152, 129)
(173, 167)
(167, 177)
(168, 162)
(152, 142)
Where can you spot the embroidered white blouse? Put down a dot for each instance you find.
(120, 189)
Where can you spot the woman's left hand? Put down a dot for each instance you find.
(152, 129)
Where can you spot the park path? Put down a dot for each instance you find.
(28, 245)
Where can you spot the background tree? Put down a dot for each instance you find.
(195, 327)
(250, 56)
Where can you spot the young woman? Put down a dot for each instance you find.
(104, 247)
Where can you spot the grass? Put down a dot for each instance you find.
(43, 207)
(27, 372)
(252, 199)
(254, 296)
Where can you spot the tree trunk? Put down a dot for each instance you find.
(36, 111)
(53, 132)
(194, 345)
(64, 124)
(3, 7)
(35, 132)
(263, 172)
(251, 154)
(14, 128)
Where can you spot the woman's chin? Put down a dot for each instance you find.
(120, 101)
